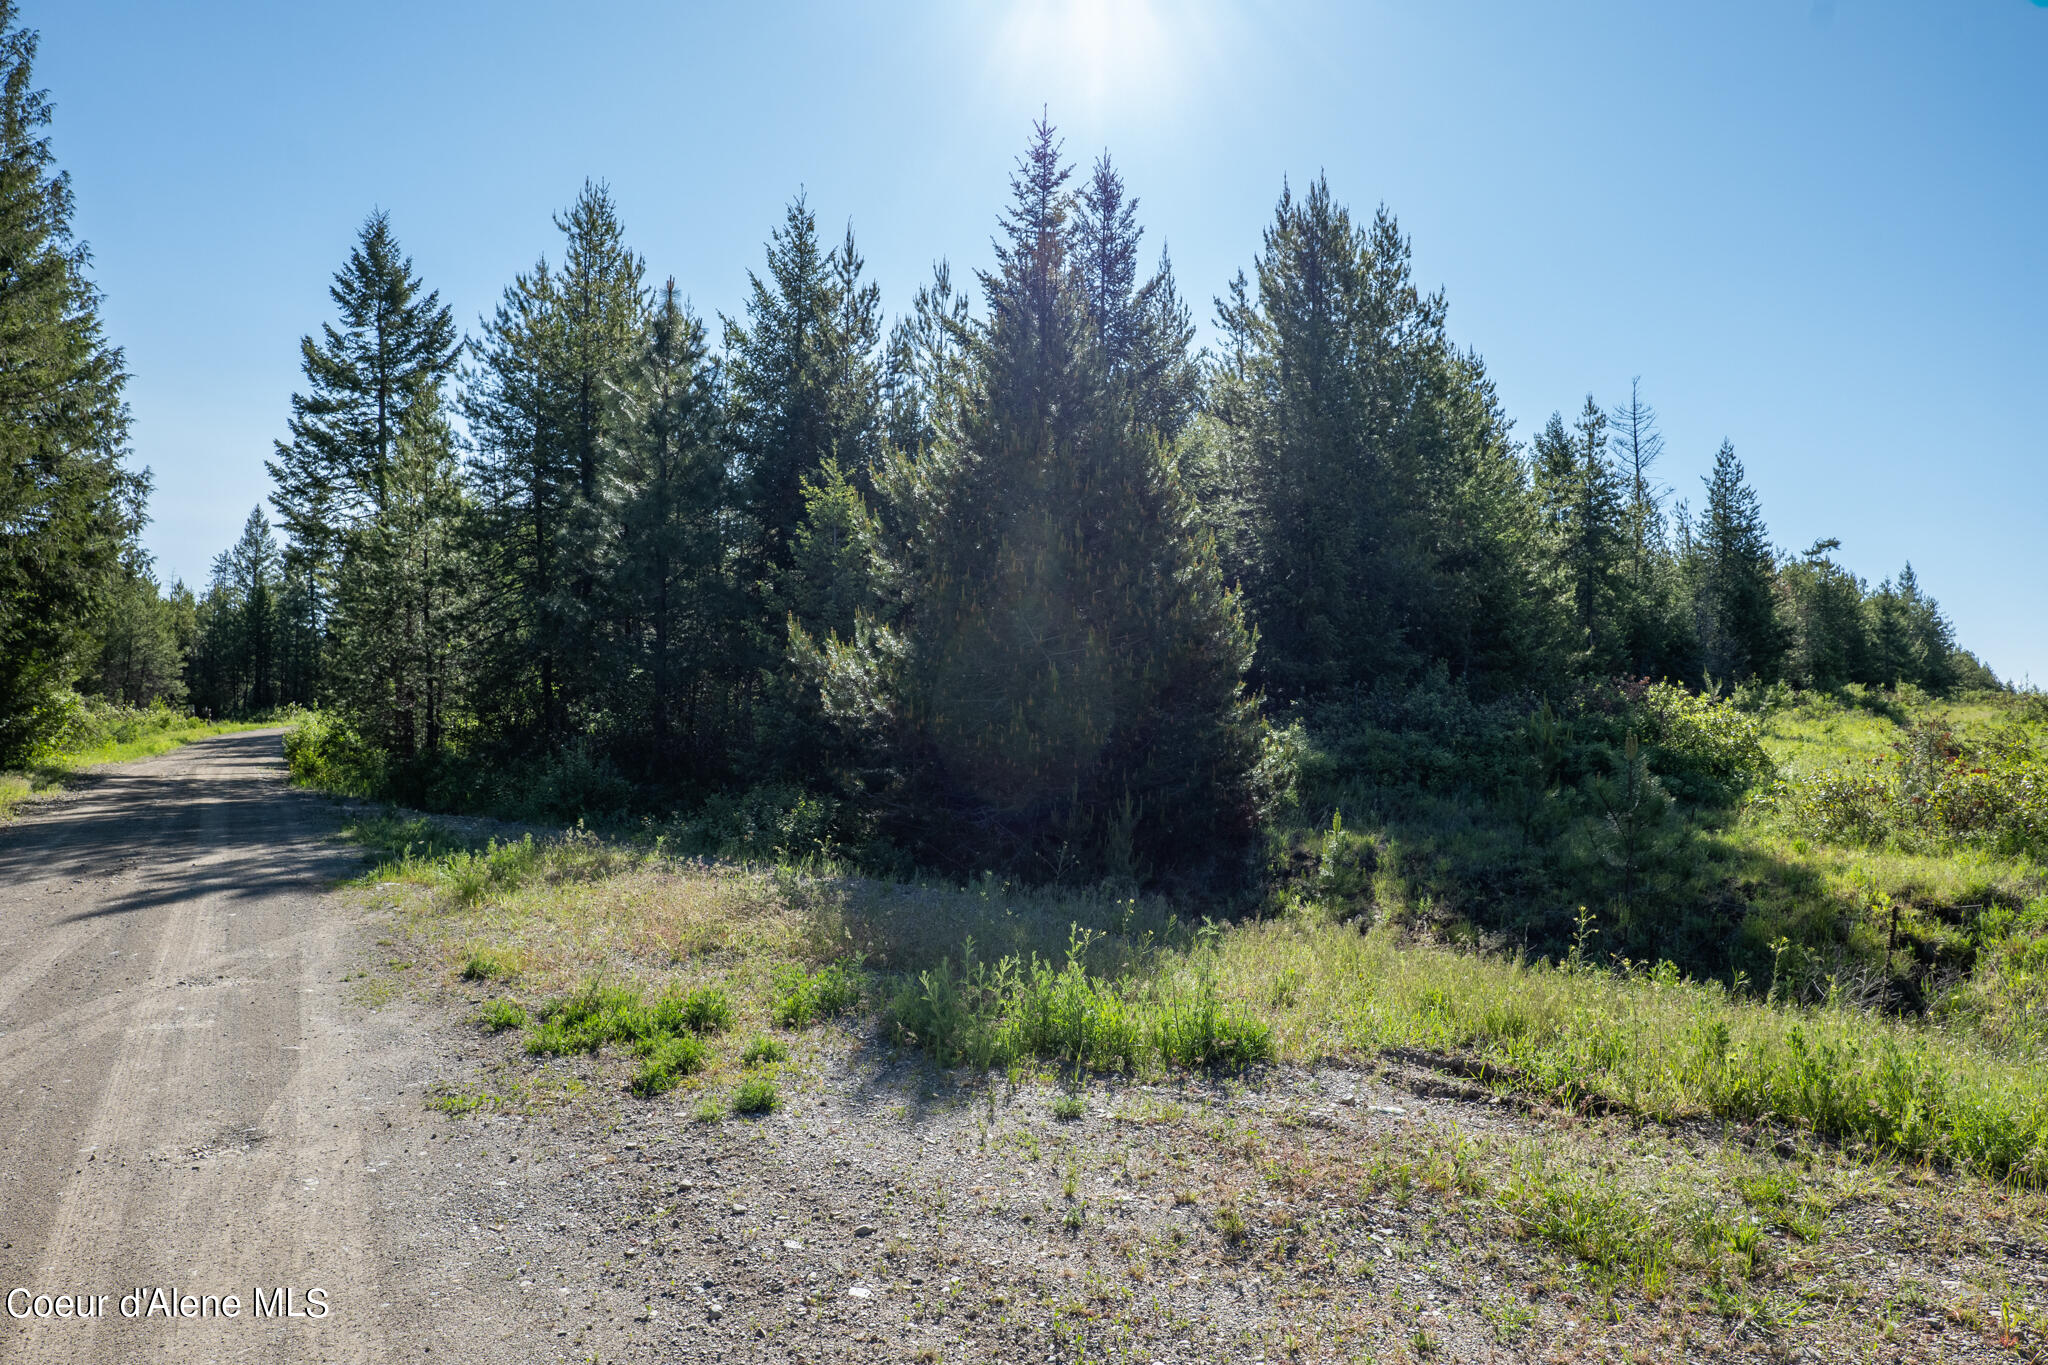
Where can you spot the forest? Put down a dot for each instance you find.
(1018, 581)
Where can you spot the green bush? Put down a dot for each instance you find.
(1704, 748)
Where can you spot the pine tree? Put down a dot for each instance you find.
(1830, 645)
(540, 402)
(1654, 637)
(1581, 499)
(1145, 331)
(393, 347)
(234, 656)
(1930, 640)
(1736, 600)
(673, 602)
(924, 371)
(399, 604)
(525, 480)
(805, 385)
(136, 656)
(1375, 518)
(1065, 648)
(63, 424)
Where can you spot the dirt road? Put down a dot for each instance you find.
(188, 1099)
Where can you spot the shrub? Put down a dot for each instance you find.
(1704, 748)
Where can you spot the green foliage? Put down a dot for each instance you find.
(763, 1050)
(1735, 592)
(1063, 645)
(500, 1015)
(1935, 792)
(804, 998)
(1706, 747)
(1348, 435)
(982, 1015)
(755, 1095)
(485, 964)
(67, 507)
(669, 1058)
(705, 1010)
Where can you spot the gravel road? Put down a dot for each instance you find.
(189, 1100)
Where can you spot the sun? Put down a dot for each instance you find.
(1099, 51)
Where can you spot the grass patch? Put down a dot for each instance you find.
(500, 1015)
(667, 1061)
(803, 998)
(763, 1050)
(992, 976)
(755, 1095)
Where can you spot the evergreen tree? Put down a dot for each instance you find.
(673, 599)
(601, 314)
(525, 480)
(63, 424)
(805, 386)
(399, 597)
(1062, 691)
(234, 655)
(1376, 521)
(1583, 512)
(1145, 331)
(1930, 653)
(1736, 600)
(136, 656)
(392, 348)
(1830, 645)
(925, 367)
(1654, 637)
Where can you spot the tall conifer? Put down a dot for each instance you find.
(1063, 694)
(63, 424)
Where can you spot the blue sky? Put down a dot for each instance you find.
(1814, 227)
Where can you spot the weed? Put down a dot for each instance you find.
(1068, 1108)
(1230, 1224)
(707, 1010)
(803, 998)
(755, 1095)
(485, 964)
(499, 1015)
(764, 1049)
(669, 1059)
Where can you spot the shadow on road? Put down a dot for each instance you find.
(217, 812)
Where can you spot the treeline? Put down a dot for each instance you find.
(1007, 580)
(1011, 580)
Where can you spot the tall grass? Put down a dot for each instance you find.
(992, 976)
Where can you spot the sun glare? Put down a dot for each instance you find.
(1101, 51)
